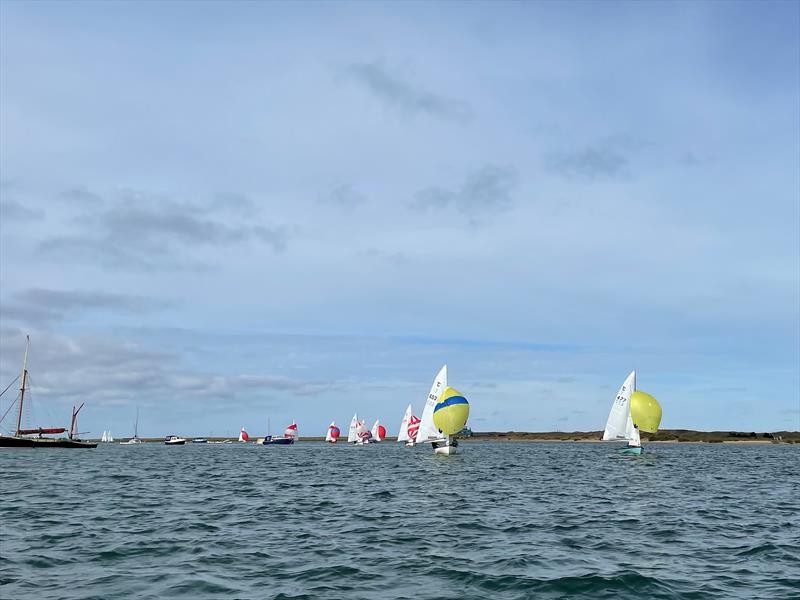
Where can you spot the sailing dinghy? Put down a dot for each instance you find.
(378, 431)
(333, 433)
(445, 414)
(364, 434)
(409, 427)
(620, 425)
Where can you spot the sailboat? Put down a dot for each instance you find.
(409, 427)
(107, 437)
(135, 439)
(22, 437)
(333, 433)
(378, 431)
(243, 437)
(630, 410)
(428, 432)
(364, 434)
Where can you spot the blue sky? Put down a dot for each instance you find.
(221, 213)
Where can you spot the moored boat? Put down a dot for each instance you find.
(289, 437)
(174, 440)
(135, 439)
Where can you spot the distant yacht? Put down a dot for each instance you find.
(107, 438)
(135, 439)
(174, 440)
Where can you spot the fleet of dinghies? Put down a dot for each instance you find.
(444, 415)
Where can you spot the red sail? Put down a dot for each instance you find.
(42, 430)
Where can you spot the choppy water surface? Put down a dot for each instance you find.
(502, 520)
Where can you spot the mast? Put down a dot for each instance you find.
(73, 426)
(24, 383)
(136, 425)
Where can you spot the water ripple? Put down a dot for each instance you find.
(503, 520)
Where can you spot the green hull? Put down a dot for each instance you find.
(630, 450)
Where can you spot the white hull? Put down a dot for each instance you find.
(446, 450)
(410, 444)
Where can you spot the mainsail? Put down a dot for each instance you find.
(403, 435)
(427, 430)
(620, 424)
(352, 435)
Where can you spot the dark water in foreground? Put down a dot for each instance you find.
(502, 520)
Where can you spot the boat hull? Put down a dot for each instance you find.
(62, 443)
(7, 441)
(445, 450)
(631, 450)
(278, 442)
(175, 443)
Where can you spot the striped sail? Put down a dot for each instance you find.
(427, 430)
(620, 415)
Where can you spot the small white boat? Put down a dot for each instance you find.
(174, 440)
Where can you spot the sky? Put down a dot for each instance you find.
(223, 213)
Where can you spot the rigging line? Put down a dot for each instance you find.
(9, 385)
(10, 406)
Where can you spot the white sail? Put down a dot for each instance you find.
(427, 430)
(110, 437)
(352, 436)
(403, 435)
(104, 437)
(632, 433)
(375, 433)
(328, 436)
(620, 415)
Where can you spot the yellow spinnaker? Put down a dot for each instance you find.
(645, 411)
(451, 412)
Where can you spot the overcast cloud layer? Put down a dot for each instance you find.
(221, 213)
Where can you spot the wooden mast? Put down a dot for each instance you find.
(24, 383)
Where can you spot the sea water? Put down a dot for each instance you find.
(500, 520)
